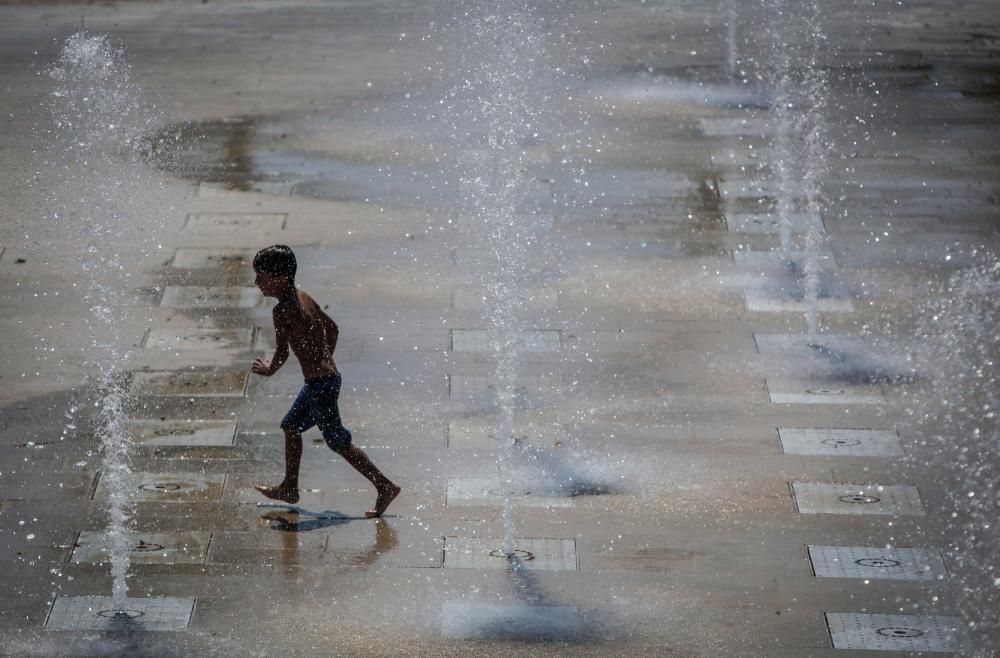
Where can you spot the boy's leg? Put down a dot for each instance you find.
(288, 490)
(387, 490)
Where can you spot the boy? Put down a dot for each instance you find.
(299, 323)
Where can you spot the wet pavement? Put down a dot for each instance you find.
(693, 479)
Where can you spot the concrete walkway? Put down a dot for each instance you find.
(697, 482)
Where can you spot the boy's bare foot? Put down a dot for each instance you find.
(385, 496)
(281, 492)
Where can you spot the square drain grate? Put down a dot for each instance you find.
(195, 258)
(487, 553)
(235, 222)
(190, 383)
(97, 613)
(183, 432)
(801, 344)
(877, 563)
(172, 488)
(819, 392)
(149, 548)
(842, 442)
(876, 499)
(482, 492)
(735, 126)
(497, 622)
(906, 633)
(763, 301)
(478, 340)
(198, 338)
(210, 297)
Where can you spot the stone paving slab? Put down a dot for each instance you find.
(877, 563)
(895, 632)
(190, 383)
(183, 432)
(199, 338)
(152, 548)
(97, 613)
(892, 500)
(840, 442)
(791, 391)
(172, 487)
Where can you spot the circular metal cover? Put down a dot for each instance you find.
(160, 487)
(878, 562)
(840, 442)
(143, 547)
(859, 499)
(900, 632)
(524, 556)
(121, 614)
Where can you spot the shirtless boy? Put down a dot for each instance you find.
(300, 324)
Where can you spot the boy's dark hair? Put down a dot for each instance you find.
(277, 259)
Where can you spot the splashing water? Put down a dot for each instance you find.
(801, 151)
(954, 427)
(90, 171)
(497, 119)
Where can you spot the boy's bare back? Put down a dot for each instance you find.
(300, 324)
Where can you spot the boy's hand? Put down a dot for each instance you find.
(262, 367)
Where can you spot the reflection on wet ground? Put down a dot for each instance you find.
(256, 154)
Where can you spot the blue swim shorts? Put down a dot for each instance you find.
(316, 405)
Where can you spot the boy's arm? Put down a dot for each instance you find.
(331, 329)
(268, 368)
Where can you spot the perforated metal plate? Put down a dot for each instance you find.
(908, 633)
(877, 563)
(779, 258)
(97, 613)
(183, 432)
(210, 297)
(148, 548)
(877, 499)
(190, 383)
(481, 492)
(197, 338)
(226, 222)
(478, 340)
(822, 392)
(199, 258)
(523, 623)
(802, 344)
(172, 487)
(765, 301)
(841, 442)
(537, 299)
(735, 126)
(771, 224)
(487, 553)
